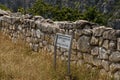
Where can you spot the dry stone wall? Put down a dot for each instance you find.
(93, 45)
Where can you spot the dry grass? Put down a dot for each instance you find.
(18, 62)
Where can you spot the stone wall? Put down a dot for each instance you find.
(93, 45)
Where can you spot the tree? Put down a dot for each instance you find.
(92, 14)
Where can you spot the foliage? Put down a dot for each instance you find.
(65, 13)
(3, 7)
(21, 10)
(92, 14)
(54, 12)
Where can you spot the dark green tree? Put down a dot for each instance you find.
(92, 14)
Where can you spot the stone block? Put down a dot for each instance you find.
(98, 32)
(105, 44)
(114, 67)
(45, 43)
(117, 75)
(102, 54)
(28, 39)
(35, 47)
(74, 44)
(84, 44)
(105, 65)
(94, 41)
(49, 29)
(78, 33)
(109, 34)
(112, 45)
(38, 33)
(101, 41)
(87, 32)
(41, 45)
(95, 51)
(115, 56)
(96, 62)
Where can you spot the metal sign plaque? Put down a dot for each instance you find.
(63, 41)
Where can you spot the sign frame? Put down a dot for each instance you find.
(64, 36)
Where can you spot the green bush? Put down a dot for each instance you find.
(64, 13)
(92, 14)
(54, 12)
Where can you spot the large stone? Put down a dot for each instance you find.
(83, 24)
(102, 53)
(101, 41)
(95, 51)
(55, 30)
(38, 33)
(112, 45)
(33, 32)
(105, 65)
(74, 44)
(41, 45)
(35, 47)
(117, 75)
(78, 33)
(98, 31)
(105, 44)
(28, 39)
(94, 41)
(115, 56)
(87, 32)
(96, 62)
(84, 44)
(114, 67)
(45, 43)
(109, 34)
(49, 29)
